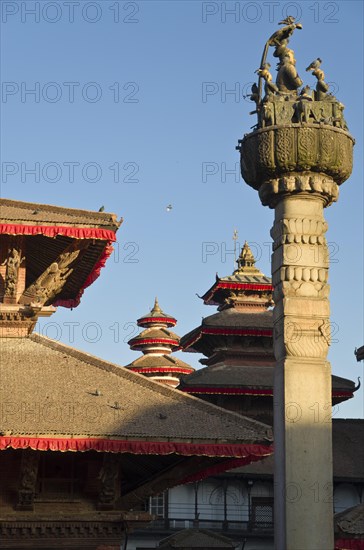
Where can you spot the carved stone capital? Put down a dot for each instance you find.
(302, 337)
(305, 183)
(299, 230)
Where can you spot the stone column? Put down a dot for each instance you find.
(302, 386)
(297, 169)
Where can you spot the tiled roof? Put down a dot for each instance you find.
(196, 538)
(351, 521)
(29, 213)
(348, 453)
(234, 376)
(228, 321)
(237, 319)
(155, 333)
(49, 388)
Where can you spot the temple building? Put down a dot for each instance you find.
(238, 371)
(237, 342)
(157, 343)
(84, 442)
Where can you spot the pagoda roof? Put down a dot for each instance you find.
(244, 279)
(156, 315)
(148, 364)
(196, 538)
(56, 397)
(228, 322)
(50, 231)
(255, 380)
(348, 453)
(154, 335)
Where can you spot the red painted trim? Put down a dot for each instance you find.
(338, 393)
(74, 232)
(235, 286)
(166, 320)
(148, 370)
(245, 286)
(246, 391)
(95, 273)
(136, 447)
(54, 230)
(145, 341)
(228, 391)
(238, 331)
(222, 467)
(349, 544)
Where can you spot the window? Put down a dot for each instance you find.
(262, 512)
(156, 505)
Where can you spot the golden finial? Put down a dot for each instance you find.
(156, 307)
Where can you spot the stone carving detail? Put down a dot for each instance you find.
(285, 157)
(299, 231)
(12, 273)
(296, 149)
(109, 477)
(61, 529)
(300, 337)
(307, 147)
(51, 282)
(270, 193)
(265, 151)
(28, 479)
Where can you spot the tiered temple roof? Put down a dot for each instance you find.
(157, 343)
(237, 342)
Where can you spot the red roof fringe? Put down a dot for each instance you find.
(95, 273)
(349, 544)
(249, 391)
(234, 286)
(144, 370)
(75, 232)
(251, 451)
(143, 341)
(54, 230)
(222, 467)
(168, 320)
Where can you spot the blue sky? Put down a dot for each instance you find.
(138, 105)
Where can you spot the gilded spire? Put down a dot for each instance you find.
(156, 307)
(246, 262)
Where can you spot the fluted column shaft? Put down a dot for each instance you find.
(302, 386)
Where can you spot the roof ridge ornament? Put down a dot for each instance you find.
(246, 262)
(156, 308)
